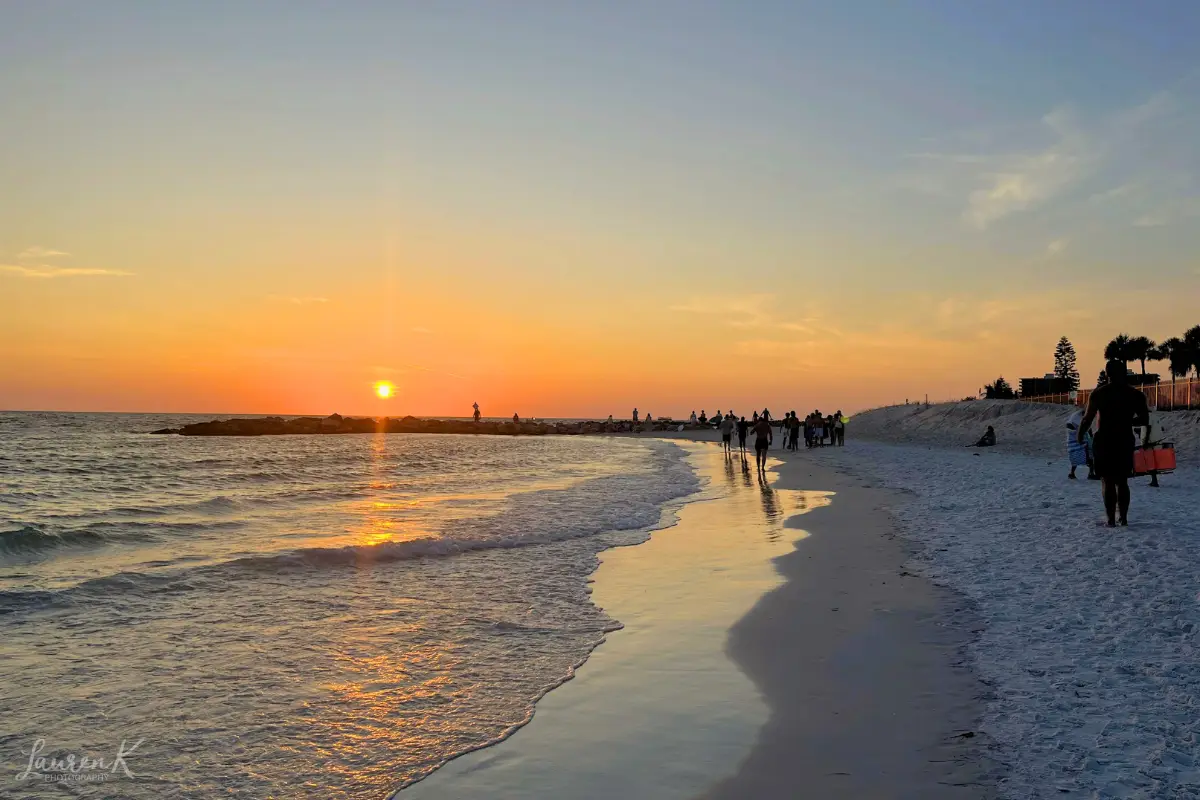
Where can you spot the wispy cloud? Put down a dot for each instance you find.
(1065, 151)
(36, 252)
(297, 301)
(1170, 211)
(1057, 247)
(45, 271)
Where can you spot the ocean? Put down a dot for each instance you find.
(296, 616)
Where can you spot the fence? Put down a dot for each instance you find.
(1162, 396)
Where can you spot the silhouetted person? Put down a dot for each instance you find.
(476, 415)
(635, 417)
(762, 442)
(727, 432)
(516, 419)
(1120, 407)
(743, 428)
(988, 439)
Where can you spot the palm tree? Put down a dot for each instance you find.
(1191, 342)
(1118, 348)
(1177, 356)
(1139, 348)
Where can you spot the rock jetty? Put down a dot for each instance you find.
(336, 423)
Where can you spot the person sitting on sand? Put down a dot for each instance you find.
(743, 428)
(1121, 407)
(762, 442)
(726, 432)
(988, 439)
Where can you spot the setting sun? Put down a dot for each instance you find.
(384, 389)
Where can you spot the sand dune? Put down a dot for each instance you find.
(1034, 429)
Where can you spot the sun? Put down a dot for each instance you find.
(384, 389)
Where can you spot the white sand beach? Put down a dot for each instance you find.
(1086, 636)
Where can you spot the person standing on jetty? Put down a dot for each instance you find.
(475, 416)
(635, 417)
(762, 442)
(1121, 407)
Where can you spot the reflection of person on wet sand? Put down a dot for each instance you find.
(770, 500)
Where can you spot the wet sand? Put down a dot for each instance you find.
(868, 685)
(757, 661)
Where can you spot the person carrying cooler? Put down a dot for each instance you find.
(1077, 452)
(1120, 407)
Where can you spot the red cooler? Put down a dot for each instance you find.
(1158, 458)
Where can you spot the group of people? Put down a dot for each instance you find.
(816, 429)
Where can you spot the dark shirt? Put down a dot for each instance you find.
(742, 427)
(1120, 408)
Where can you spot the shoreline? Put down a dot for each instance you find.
(859, 687)
(870, 686)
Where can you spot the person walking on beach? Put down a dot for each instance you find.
(794, 432)
(726, 433)
(1120, 407)
(743, 428)
(1077, 451)
(839, 429)
(762, 442)
(476, 415)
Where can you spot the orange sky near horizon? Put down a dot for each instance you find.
(569, 211)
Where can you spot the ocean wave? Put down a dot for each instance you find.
(618, 503)
(31, 538)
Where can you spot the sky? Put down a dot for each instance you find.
(576, 208)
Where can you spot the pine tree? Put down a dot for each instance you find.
(999, 390)
(1064, 362)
